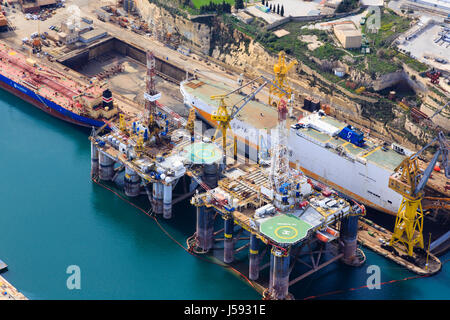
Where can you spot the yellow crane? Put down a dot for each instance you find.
(122, 123)
(281, 70)
(223, 119)
(139, 147)
(190, 125)
(409, 181)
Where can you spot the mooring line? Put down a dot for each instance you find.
(171, 237)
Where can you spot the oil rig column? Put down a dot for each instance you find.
(254, 258)
(279, 273)
(106, 169)
(349, 233)
(131, 183)
(94, 160)
(167, 208)
(228, 245)
(158, 197)
(205, 228)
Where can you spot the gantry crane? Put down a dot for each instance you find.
(281, 70)
(409, 181)
(223, 117)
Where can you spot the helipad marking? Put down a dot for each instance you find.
(205, 154)
(286, 230)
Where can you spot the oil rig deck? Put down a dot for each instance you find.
(284, 229)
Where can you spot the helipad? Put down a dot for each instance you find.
(203, 153)
(285, 228)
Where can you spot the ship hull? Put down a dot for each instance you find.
(46, 105)
(366, 183)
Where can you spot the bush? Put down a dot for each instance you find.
(347, 5)
(216, 7)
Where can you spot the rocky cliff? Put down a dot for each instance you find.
(194, 34)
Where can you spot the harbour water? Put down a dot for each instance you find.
(53, 216)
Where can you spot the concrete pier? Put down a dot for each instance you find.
(205, 228)
(131, 183)
(228, 246)
(158, 197)
(106, 168)
(349, 232)
(279, 274)
(94, 160)
(253, 258)
(167, 207)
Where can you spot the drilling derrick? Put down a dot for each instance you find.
(280, 156)
(151, 95)
(281, 70)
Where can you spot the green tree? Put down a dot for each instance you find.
(278, 8)
(282, 11)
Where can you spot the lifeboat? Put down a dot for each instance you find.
(322, 237)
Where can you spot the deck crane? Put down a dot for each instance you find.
(223, 117)
(281, 70)
(410, 182)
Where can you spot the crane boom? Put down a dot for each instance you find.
(439, 111)
(426, 174)
(254, 93)
(223, 117)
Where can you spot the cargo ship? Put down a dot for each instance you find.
(54, 92)
(324, 148)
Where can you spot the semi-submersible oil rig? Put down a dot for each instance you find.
(289, 223)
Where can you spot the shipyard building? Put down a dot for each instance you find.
(348, 35)
(35, 5)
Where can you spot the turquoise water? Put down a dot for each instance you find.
(53, 216)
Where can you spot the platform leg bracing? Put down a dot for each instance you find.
(279, 273)
(106, 168)
(254, 258)
(205, 228)
(94, 161)
(131, 183)
(349, 233)
(228, 246)
(167, 208)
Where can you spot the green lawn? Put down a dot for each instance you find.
(328, 52)
(198, 3)
(381, 66)
(413, 63)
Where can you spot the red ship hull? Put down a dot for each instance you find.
(41, 106)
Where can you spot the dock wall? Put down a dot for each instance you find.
(76, 59)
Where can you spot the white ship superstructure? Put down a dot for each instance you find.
(317, 146)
